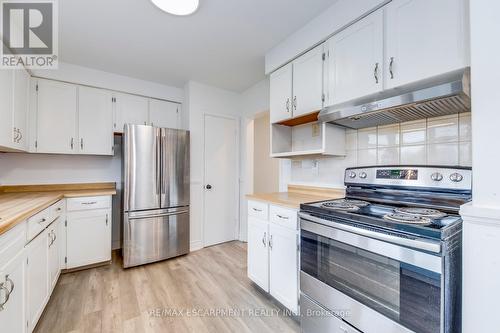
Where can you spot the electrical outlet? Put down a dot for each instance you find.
(315, 130)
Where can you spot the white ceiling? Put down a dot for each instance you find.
(222, 44)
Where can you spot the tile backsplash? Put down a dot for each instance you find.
(434, 141)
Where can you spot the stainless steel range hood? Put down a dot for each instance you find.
(441, 95)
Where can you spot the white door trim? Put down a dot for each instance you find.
(238, 171)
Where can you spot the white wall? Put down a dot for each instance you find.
(203, 99)
(332, 20)
(481, 237)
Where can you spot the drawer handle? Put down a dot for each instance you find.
(42, 220)
(282, 217)
(59, 209)
(12, 285)
(89, 203)
(7, 295)
(257, 210)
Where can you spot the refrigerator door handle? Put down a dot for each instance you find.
(158, 164)
(163, 162)
(142, 217)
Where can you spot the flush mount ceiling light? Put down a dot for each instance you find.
(177, 7)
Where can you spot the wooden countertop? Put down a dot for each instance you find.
(297, 195)
(17, 203)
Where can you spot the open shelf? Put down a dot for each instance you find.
(309, 139)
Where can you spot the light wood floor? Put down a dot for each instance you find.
(157, 297)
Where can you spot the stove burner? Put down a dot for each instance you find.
(345, 204)
(408, 218)
(423, 212)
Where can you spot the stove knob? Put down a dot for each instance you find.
(456, 177)
(352, 175)
(437, 177)
(363, 175)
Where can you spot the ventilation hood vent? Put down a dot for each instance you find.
(439, 96)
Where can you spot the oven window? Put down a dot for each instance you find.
(404, 293)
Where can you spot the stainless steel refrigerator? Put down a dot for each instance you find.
(156, 194)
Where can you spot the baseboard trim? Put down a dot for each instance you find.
(195, 245)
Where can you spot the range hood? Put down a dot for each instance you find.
(438, 96)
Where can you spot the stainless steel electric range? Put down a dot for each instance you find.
(387, 258)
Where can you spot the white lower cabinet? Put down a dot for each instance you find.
(273, 253)
(37, 281)
(258, 269)
(88, 231)
(283, 263)
(12, 295)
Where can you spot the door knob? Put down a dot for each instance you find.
(208, 187)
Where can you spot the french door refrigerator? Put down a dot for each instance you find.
(156, 194)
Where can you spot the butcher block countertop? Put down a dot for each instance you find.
(17, 203)
(297, 195)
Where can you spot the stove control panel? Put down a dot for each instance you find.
(408, 176)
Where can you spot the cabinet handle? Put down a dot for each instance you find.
(12, 285)
(295, 103)
(72, 143)
(283, 217)
(16, 135)
(257, 210)
(390, 68)
(288, 105)
(271, 242)
(375, 73)
(264, 239)
(42, 220)
(81, 143)
(51, 239)
(20, 135)
(7, 295)
(106, 220)
(89, 203)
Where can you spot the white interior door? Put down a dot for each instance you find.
(221, 180)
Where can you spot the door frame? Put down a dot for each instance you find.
(238, 174)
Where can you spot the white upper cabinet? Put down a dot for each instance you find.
(130, 109)
(20, 108)
(355, 60)
(95, 121)
(424, 38)
(281, 94)
(164, 114)
(14, 95)
(308, 82)
(56, 117)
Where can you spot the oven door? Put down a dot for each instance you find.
(380, 286)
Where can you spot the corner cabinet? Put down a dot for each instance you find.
(273, 252)
(129, 109)
(297, 88)
(164, 114)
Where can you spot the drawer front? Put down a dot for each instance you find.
(57, 209)
(316, 319)
(283, 216)
(38, 222)
(11, 243)
(258, 209)
(88, 203)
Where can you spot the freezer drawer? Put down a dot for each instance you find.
(156, 235)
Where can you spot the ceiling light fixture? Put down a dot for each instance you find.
(177, 7)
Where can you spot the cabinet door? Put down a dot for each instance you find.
(258, 254)
(308, 82)
(281, 94)
(424, 38)
(37, 278)
(56, 117)
(355, 60)
(283, 266)
(130, 109)
(163, 114)
(88, 237)
(12, 314)
(6, 103)
(53, 248)
(20, 109)
(95, 121)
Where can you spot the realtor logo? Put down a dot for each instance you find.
(29, 34)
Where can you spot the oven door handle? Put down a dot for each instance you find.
(416, 243)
